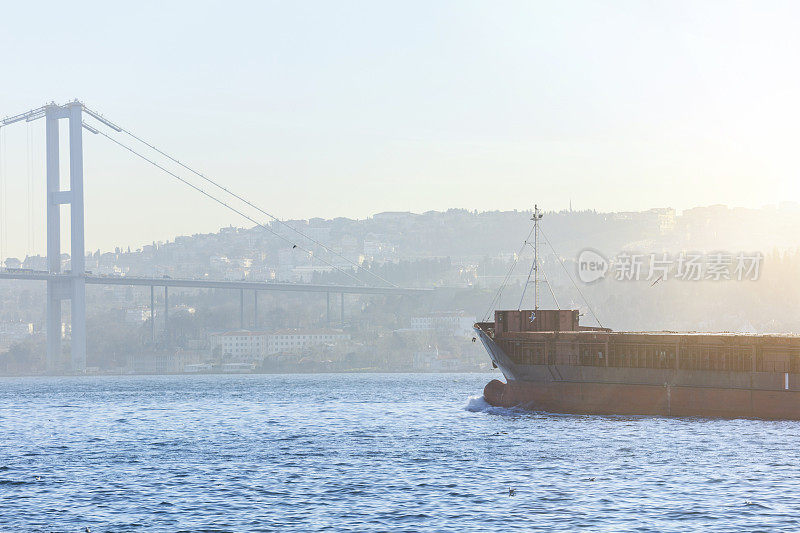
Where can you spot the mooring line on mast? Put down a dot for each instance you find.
(498, 294)
(550, 287)
(585, 300)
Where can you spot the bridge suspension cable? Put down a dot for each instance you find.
(216, 184)
(37, 113)
(3, 210)
(222, 202)
(29, 185)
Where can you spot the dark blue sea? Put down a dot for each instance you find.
(386, 452)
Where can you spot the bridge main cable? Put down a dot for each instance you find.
(221, 202)
(119, 128)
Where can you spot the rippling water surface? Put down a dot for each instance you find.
(370, 452)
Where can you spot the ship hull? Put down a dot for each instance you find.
(635, 399)
(574, 389)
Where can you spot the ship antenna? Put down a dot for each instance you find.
(537, 216)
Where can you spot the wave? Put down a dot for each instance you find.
(478, 404)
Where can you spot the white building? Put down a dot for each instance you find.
(110, 270)
(295, 341)
(197, 367)
(434, 361)
(137, 315)
(257, 344)
(17, 330)
(13, 262)
(35, 262)
(240, 344)
(306, 273)
(219, 262)
(453, 322)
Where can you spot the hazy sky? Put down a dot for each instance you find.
(352, 108)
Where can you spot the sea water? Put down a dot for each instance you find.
(371, 452)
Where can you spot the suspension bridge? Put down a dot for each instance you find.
(71, 285)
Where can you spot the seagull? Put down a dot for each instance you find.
(591, 479)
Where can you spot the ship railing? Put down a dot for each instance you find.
(777, 367)
(486, 327)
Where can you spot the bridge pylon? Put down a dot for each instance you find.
(72, 286)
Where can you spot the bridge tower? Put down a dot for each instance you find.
(73, 286)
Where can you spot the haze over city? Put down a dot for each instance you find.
(350, 109)
(372, 265)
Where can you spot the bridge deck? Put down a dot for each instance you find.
(212, 284)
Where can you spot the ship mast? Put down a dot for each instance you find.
(537, 216)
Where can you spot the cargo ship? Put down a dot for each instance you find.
(552, 363)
